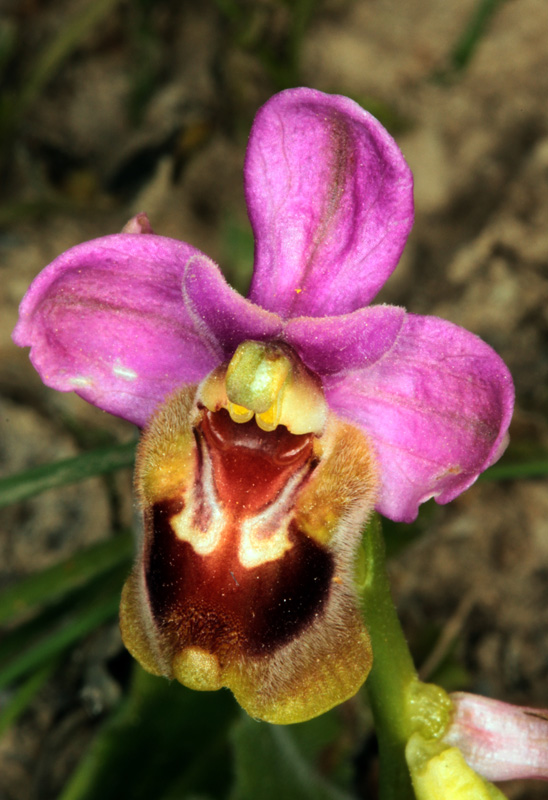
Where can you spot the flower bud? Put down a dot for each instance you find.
(499, 740)
(441, 773)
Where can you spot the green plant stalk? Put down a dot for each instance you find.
(393, 673)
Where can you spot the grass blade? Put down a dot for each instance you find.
(473, 33)
(24, 694)
(53, 583)
(61, 473)
(30, 646)
(72, 34)
(537, 468)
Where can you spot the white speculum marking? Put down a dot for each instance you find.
(126, 373)
(259, 544)
(204, 542)
(262, 538)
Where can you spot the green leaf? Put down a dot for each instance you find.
(53, 583)
(329, 741)
(269, 766)
(61, 473)
(537, 468)
(164, 742)
(24, 694)
(29, 646)
(473, 33)
(71, 34)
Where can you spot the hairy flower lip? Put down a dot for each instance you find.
(245, 574)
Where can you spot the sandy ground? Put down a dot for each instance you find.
(97, 144)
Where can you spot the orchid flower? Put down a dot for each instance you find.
(273, 425)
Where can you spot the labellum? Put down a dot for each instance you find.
(253, 497)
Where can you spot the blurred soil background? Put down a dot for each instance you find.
(111, 107)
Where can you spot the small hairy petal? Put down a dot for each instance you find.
(330, 200)
(223, 316)
(436, 405)
(332, 345)
(106, 319)
(500, 741)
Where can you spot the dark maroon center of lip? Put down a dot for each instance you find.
(214, 602)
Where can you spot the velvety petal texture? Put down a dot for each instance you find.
(436, 405)
(330, 199)
(106, 320)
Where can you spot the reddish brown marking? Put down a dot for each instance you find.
(252, 466)
(214, 603)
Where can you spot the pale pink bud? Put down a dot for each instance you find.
(138, 224)
(499, 740)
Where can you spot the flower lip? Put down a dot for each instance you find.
(245, 573)
(182, 581)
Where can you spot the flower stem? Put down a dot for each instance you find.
(393, 674)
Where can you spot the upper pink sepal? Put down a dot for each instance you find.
(330, 199)
(436, 405)
(106, 319)
(500, 741)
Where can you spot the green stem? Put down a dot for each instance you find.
(393, 673)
